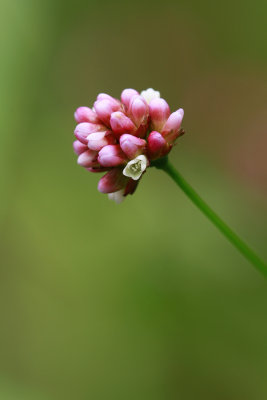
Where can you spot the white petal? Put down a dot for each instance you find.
(143, 159)
(116, 196)
(135, 173)
(150, 94)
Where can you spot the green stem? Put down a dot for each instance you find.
(249, 254)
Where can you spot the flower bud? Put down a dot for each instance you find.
(84, 129)
(88, 159)
(159, 111)
(104, 108)
(132, 146)
(104, 96)
(112, 181)
(121, 124)
(172, 126)
(157, 146)
(131, 187)
(85, 114)
(111, 156)
(120, 195)
(127, 95)
(98, 140)
(139, 110)
(79, 147)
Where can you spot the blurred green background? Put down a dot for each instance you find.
(143, 300)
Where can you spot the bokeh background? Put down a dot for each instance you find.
(143, 300)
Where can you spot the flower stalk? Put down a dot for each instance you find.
(165, 165)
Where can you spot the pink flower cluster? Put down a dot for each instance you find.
(123, 137)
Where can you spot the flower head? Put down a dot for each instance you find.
(122, 137)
